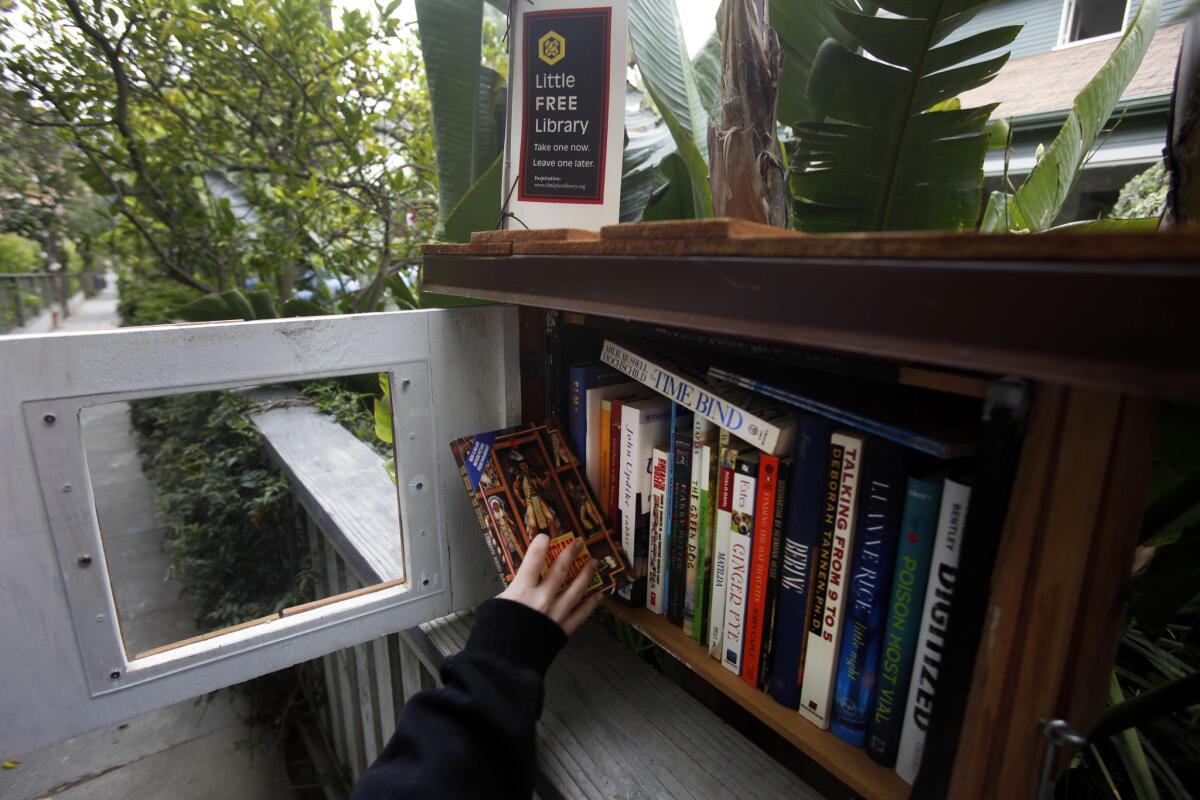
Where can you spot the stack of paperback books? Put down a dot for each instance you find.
(814, 560)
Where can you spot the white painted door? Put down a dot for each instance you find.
(63, 667)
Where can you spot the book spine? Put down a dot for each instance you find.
(576, 419)
(697, 396)
(720, 576)
(872, 566)
(604, 435)
(830, 583)
(802, 528)
(655, 599)
(704, 538)
(632, 593)
(917, 531)
(771, 614)
(614, 464)
(681, 481)
(741, 541)
(699, 428)
(760, 566)
(931, 641)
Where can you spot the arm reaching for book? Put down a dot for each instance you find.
(474, 737)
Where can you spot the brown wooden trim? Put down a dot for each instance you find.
(535, 235)
(948, 382)
(337, 598)
(1100, 325)
(1055, 607)
(204, 637)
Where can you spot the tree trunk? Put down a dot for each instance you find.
(1183, 134)
(746, 165)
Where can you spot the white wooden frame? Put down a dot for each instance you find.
(63, 659)
(1064, 22)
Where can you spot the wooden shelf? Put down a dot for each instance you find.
(1108, 324)
(848, 764)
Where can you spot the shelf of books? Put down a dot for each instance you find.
(807, 488)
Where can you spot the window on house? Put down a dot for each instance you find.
(1091, 19)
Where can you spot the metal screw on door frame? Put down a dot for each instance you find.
(49, 419)
(85, 560)
(1057, 733)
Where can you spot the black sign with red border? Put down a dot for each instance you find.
(565, 105)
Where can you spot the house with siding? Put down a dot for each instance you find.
(1062, 45)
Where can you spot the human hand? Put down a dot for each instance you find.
(566, 607)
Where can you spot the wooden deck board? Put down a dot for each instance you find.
(613, 727)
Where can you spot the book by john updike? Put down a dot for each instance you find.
(524, 481)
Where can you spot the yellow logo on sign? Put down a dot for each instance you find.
(552, 48)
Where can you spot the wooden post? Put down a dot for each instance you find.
(1057, 599)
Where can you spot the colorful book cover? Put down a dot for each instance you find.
(611, 503)
(931, 641)
(594, 429)
(704, 534)
(645, 425)
(722, 522)
(874, 560)
(764, 425)
(831, 579)
(524, 481)
(581, 378)
(741, 542)
(681, 483)
(802, 533)
(774, 574)
(918, 528)
(655, 594)
(760, 565)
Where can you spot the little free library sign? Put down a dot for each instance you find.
(567, 120)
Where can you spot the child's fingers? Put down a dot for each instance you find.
(580, 614)
(557, 573)
(530, 572)
(570, 598)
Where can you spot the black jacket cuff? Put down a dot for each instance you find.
(517, 634)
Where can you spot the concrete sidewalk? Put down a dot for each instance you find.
(198, 749)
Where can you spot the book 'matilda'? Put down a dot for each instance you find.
(524, 481)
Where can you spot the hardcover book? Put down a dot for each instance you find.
(918, 528)
(709, 450)
(871, 570)
(645, 425)
(681, 483)
(802, 532)
(721, 524)
(831, 578)
(655, 595)
(742, 413)
(760, 565)
(604, 432)
(741, 542)
(594, 430)
(524, 481)
(931, 641)
(701, 433)
(582, 378)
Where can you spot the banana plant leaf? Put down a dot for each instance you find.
(451, 33)
(647, 143)
(802, 26)
(1035, 205)
(670, 78)
(883, 160)
(221, 306)
(1115, 225)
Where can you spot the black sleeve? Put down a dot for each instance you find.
(474, 737)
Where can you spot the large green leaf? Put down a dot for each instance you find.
(706, 66)
(674, 199)
(802, 25)
(479, 208)
(451, 34)
(667, 71)
(882, 160)
(1041, 196)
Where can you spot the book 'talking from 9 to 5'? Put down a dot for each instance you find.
(524, 481)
